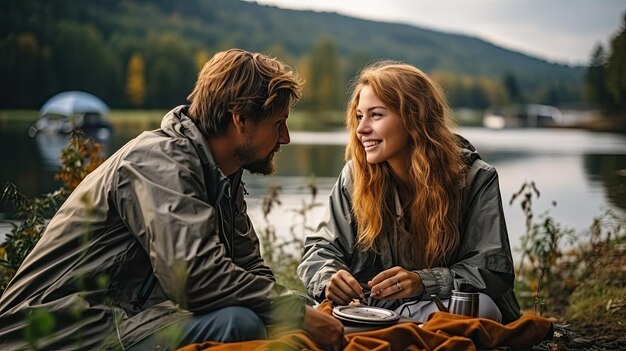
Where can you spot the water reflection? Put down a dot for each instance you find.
(310, 160)
(23, 165)
(608, 172)
(583, 172)
(50, 146)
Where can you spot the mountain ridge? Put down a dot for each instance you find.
(437, 30)
(43, 48)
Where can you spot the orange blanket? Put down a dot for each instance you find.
(442, 331)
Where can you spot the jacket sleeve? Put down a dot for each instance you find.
(161, 197)
(328, 250)
(483, 260)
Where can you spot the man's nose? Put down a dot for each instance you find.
(283, 136)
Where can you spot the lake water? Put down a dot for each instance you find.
(583, 172)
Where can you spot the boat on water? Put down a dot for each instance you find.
(64, 113)
(522, 116)
(71, 110)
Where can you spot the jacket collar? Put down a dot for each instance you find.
(178, 124)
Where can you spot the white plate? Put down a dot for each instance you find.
(363, 323)
(365, 314)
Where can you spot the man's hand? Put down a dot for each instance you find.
(396, 283)
(326, 331)
(342, 288)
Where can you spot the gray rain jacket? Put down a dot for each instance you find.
(156, 233)
(481, 263)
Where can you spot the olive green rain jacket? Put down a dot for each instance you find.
(154, 234)
(481, 263)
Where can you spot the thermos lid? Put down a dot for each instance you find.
(469, 295)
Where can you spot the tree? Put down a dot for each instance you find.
(171, 70)
(21, 68)
(28, 66)
(304, 72)
(8, 71)
(201, 57)
(135, 80)
(594, 86)
(512, 88)
(451, 86)
(493, 90)
(616, 70)
(605, 78)
(82, 61)
(358, 60)
(327, 85)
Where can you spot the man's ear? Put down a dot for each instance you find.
(238, 121)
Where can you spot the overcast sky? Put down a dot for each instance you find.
(564, 31)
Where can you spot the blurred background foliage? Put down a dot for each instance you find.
(146, 53)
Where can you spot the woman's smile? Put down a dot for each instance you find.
(371, 144)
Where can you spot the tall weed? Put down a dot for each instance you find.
(561, 274)
(283, 254)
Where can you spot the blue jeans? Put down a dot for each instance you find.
(228, 324)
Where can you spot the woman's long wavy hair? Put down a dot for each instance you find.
(435, 168)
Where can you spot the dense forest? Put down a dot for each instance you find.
(146, 53)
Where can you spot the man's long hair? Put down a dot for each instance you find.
(435, 167)
(254, 85)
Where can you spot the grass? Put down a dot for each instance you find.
(17, 119)
(7, 116)
(145, 119)
(597, 305)
(115, 116)
(142, 119)
(150, 119)
(600, 299)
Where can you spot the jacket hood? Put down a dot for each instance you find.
(177, 124)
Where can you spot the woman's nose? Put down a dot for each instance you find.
(363, 127)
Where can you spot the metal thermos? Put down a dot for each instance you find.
(463, 303)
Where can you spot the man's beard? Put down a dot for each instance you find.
(264, 166)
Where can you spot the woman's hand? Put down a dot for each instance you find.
(342, 288)
(396, 283)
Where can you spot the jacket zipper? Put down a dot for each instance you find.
(232, 189)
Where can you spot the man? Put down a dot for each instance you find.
(155, 245)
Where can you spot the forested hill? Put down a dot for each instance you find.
(146, 53)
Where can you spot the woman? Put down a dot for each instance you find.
(415, 211)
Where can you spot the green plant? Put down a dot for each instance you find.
(283, 255)
(80, 157)
(302, 212)
(544, 278)
(40, 324)
(31, 215)
(566, 277)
